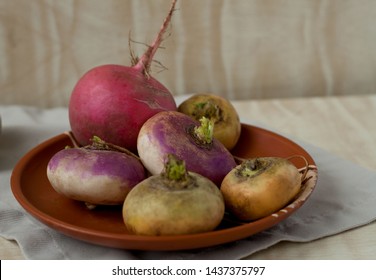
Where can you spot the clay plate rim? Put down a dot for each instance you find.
(254, 141)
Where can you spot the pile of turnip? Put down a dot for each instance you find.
(170, 167)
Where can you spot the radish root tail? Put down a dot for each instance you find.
(144, 62)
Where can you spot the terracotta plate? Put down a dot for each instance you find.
(104, 225)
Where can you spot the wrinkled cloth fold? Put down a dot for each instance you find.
(343, 199)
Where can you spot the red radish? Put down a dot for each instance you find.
(113, 101)
(175, 133)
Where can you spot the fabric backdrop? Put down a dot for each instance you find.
(238, 49)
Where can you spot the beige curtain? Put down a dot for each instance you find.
(235, 48)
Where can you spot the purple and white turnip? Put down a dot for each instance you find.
(175, 133)
(227, 127)
(113, 101)
(99, 174)
(174, 202)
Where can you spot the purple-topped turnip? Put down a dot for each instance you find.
(113, 101)
(99, 174)
(176, 133)
(227, 127)
(174, 202)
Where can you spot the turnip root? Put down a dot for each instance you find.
(258, 187)
(227, 125)
(173, 202)
(113, 101)
(99, 174)
(176, 133)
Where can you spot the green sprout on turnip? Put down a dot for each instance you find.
(175, 169)
(204, 132)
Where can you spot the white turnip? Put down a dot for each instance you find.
(174, 202)
(99, 174)
(227, 125)
(113, 101)
(172, 132)
(260, 186)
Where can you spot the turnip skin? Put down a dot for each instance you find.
(268, 188)
(103, 98)
(227, 126)
(97, 177)
(158, 206)
(169, 133)
(113, 101)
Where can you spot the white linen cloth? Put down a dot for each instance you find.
(344, 198)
